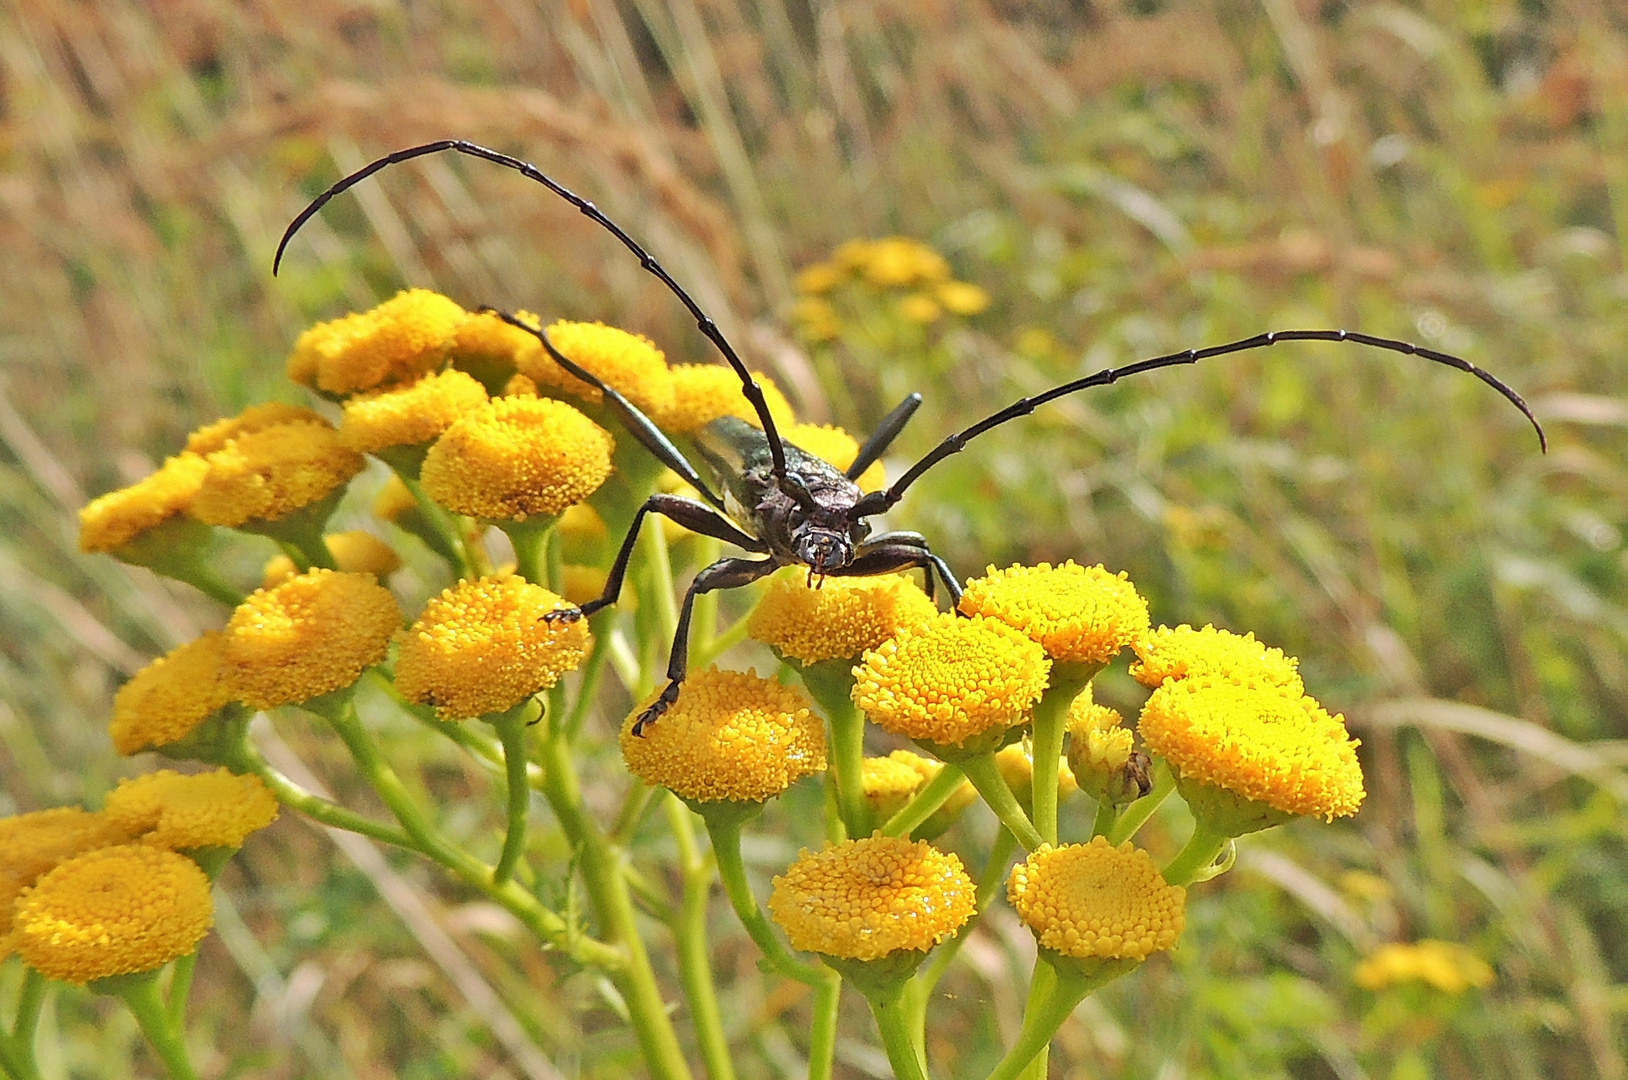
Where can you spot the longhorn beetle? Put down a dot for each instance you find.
(778, 501)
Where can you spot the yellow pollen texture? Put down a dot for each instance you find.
(211, 437)
(627, 363)
(730, 736)
(400, 341)
(272, 472)
(832, 444)
(863, 899)
(1283, 751)
(840, 619)
(110, 521)
(30, 844)
(113, 911)
(1097, 900)
(1079, 614)
(517, 457)
(310, 635)
(168, 810)
(1180, 652)
(412, 415)
(483, 646)
(172, 695)
(950, 678)
(704, 392)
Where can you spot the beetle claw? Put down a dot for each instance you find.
(564, 615)
(657, 707)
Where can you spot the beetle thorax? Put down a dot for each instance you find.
(814, 526)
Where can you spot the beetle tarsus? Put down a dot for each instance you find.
(657, 707)
(562, 615)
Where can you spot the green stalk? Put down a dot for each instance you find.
(245, 758)
(592, 672)
(511, 732)
(204, 579)
(181, 986)
(1042, 982)
(704, 622)
(831, 684)
(986, 777)
(822, 1033)
(1107, 817)
(1052, 999)
(1191, 861)
(925, 802)
(17, 1046)
(140, 993)
(726, 848)
(1050, 725)
(600, 864)
(705, 652)
(1134, 816)
(690, 932)
(892, 1014)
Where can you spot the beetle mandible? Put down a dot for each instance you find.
(778, 501)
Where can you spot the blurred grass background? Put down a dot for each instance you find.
(1125, 179)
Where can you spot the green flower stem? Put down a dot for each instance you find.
(17, 1046)
(181, 986)
(601, 863)
(706, 650)
(300, 537)
(986, 777)
(593, 671)
(1042, 982)
(205, 580)
(1050, 725)
(634, 805)
(661, 578)
(1134, 816)
(831, 684)
(822, 1033)
(140, 993)
(511, 732)
(1107, 817)
(690, 932)
(1054, 993)
(1202, 848)
(888, 1005)
(926, 801)
(434, 527)
(245, 758)
(17, 1060)
(530, 540)
(726, 848)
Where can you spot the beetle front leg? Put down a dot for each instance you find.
(889, 552)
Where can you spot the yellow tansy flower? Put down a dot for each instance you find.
(484, 646)
(864, 899)
(1097, 901)
(961, 298)
(111, 521)
(356, 551)
(899, 261)
(730, 736)
(31, 844)
(1446, 965)
(519, 385)
(704, 392)
(628, 363)
(517, 457)
(486, 344)
(819, 278)
(919, 308)
(1099, 751)
(890, 782)
(400, 341)
(211, 437)
(951, 678)
(270, 473)
(1016, 764)
(412, 415)
(312, 634)
(393, 500)
(841, 619)
(169, 810)
(1261, 745)
(1079, 614)
(816, 318)
(1181, 652)
(834, 445)
(112, 911)
(170, 697)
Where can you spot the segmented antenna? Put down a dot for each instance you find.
(879, 501)
(749, 386)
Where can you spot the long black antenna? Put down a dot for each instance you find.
(749, 386)
(879, 501)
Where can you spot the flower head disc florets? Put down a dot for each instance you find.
(211, 437)
(267, 474)
(170, 697)
(517, 457)
(484, 646)
(864, 899)
(730, 736)
(170, 810)
(112, 911)
(1097, 901)
(950, 678)
(30, 844)
(411, 415)
(401, 340)
(1446, 965)
(110, 521)
(1259, 744)
(1180, 652)
(839, 620)
(628, 363)
(704, 392)
(1079, 614)
(312, 634)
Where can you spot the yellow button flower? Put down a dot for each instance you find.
(950, 679)
(819, 278)
(170, 697)
(839, 620)
(1260, 745)
(730, 736)
(864, 899)
(899, 261)
(1016, 764)
(816, 319)
(356, 551)
(628, 363)
(961, 298)
(168, 810)
(211, 437)
(919, 308)
(890, 782)
(704, 392)
(400, 341)
(394, 500)
(1181, 652)
(1446, 965)
(312, 634)
(412, 415)
(517, 457)
(111, 521)
(270, 473)
(484, 646)
(487, 345)
(113, 911)
(1079, 614)
(1099, 752)
(31, 844)
(1097, 901)
(834, 445)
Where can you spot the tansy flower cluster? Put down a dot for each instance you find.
(910, 274)
(1445, 965)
